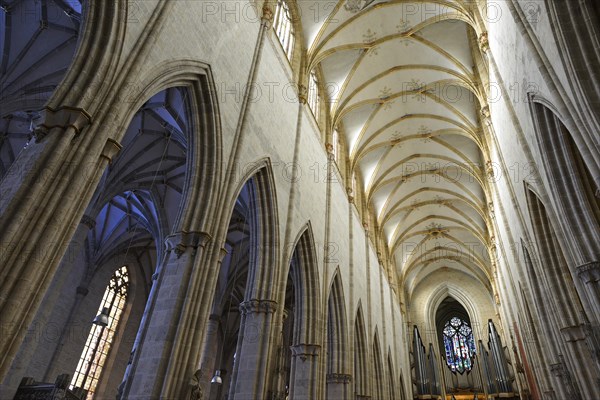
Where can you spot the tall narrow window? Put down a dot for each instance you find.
(459, 345)
(313, 94)
(100, 338)
(282, 24)
(335, 138)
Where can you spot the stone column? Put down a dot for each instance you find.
(278, 390)
(304, 371)
(589, 274)
(561, 371)
(37, 219)
(50, 327)
(250, 374)
(155, 353)
(210, 351)
(338, 386)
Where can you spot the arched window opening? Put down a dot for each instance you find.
(313, 95)
(282, 24)
(100, 338)
(336, 144)
(459, 345)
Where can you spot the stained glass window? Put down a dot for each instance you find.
(459, 345)
(100, 338)
(282, 24)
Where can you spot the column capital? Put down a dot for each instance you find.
(339, 378)
(181, 241)
(110, 150)
(255, 306)
(573, 333)
(304, 351)
(589, 272)
(62, 117)
(222, 253)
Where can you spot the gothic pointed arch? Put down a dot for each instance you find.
(336, 339)
(570, 173)
(361, 354)
(264, 230)
(391, 375)
(378, 375)
(560, 296)
(455, 336)
(304, 275)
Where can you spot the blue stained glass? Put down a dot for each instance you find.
(459, 345)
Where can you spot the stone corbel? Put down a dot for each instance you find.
(64, 117)
(484, 43)
(350, 194)
(302, 93)
(267, 13)
(222, 253)
(181, 241)
(111, 149)
(486, 116)
(329, 148)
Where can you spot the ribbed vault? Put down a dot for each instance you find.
(38, 40)
(404, 94)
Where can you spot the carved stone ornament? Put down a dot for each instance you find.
(64, 118)
(484, 43)
(339, 378)
(258, 306)
(196, 388)
(353, 6)
(181, 241)
(589, 272)
(304, 351)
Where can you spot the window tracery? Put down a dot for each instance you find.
(282, 24)
(100, 338)
(459, 345)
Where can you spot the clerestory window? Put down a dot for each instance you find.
(282, 24)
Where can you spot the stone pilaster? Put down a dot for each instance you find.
(155, 360)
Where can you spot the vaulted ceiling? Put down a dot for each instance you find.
(403, 92)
